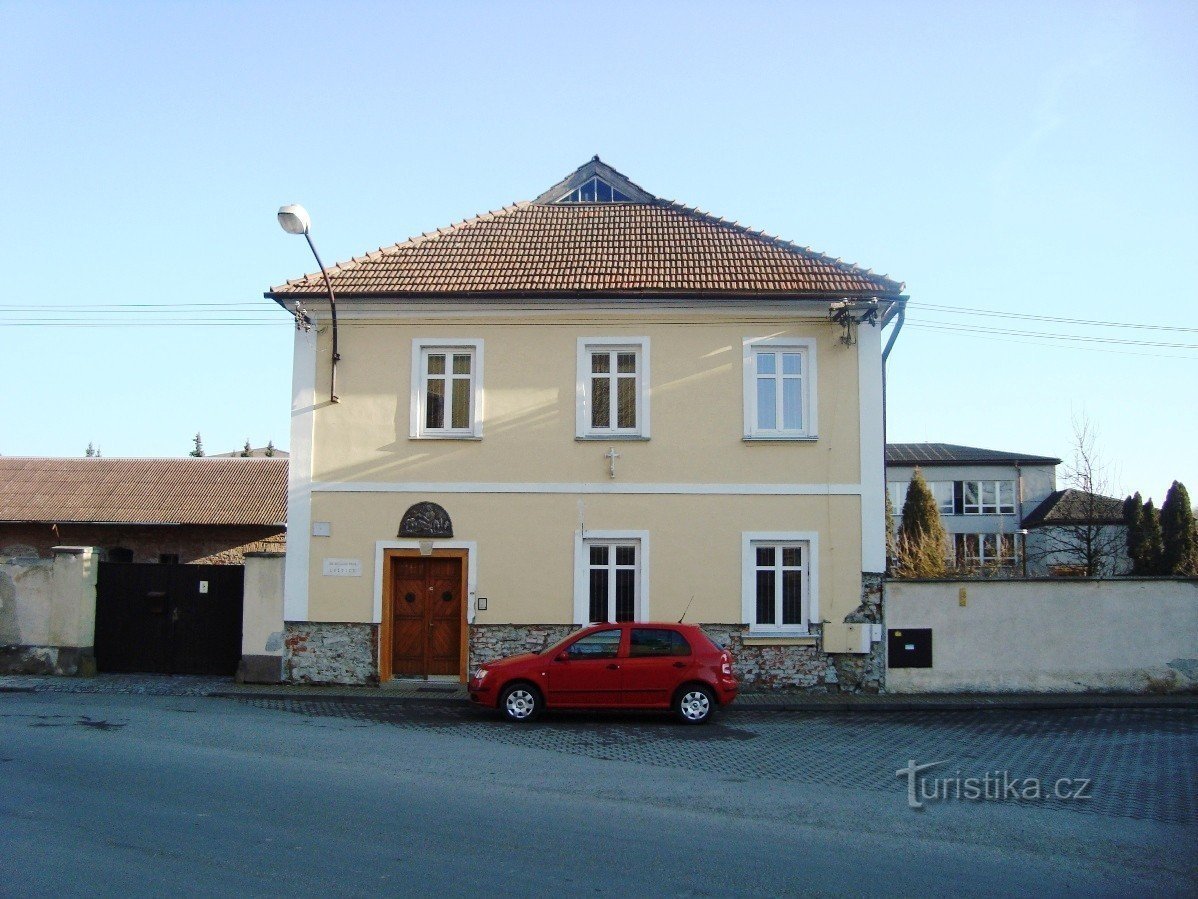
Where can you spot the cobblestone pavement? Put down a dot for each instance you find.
(1142, 763)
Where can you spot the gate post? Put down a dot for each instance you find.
(73, 608)
(262, 620)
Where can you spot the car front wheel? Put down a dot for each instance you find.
(695, 704)
(520, 702)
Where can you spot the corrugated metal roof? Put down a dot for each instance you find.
(952, 454)
(146, 491)
(578, 248)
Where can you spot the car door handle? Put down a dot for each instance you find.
(680, 664)
(613, 666)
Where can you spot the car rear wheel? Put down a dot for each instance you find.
(695, 704)
(520, 702)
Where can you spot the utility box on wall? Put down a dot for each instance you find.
(909, 647)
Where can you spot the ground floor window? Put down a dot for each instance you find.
(610, 576)
(984, 550)
(778, 595)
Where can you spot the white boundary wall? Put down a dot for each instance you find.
(1123, 635)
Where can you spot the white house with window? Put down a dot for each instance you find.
(983, 495)
(596, 405)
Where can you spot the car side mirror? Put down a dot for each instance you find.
(562, 657)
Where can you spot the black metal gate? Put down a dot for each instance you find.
(169, 619)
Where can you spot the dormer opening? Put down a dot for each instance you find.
(595, 190)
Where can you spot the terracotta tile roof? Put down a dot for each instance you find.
(145, 491)
(953, 454)
(554, 248)
(1075, 507)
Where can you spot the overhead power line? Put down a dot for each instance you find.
(998, 313)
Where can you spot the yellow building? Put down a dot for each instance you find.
(596, 405)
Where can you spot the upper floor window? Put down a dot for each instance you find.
(779, 389)
(988, 497)
(595, 190)
(941, 490)
(446, 388)
(613, 387)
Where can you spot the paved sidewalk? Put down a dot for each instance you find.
(448, 691)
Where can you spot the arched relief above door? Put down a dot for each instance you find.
(425, 520)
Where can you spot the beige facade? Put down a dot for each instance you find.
(596, 405)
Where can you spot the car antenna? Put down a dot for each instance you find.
(688, 607)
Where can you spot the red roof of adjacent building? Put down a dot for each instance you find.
(552, 246)
(144, 491)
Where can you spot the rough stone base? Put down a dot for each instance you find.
(68, 661)
(495, 641)
(864, 673)
(330, 653)
(260, 670)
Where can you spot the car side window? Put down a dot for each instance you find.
(657, 642)
(599, 645)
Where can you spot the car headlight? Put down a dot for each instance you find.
(480, 674)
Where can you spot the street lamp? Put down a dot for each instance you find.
(294, 219)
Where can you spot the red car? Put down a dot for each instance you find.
(629, 665)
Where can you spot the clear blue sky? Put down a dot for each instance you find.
(1030, 158)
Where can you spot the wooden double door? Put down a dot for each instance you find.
(427, 594)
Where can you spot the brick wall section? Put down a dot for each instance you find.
(329, 653)
(193, 544)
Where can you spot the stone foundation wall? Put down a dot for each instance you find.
(803, 667)
(70, 661)
(495, 641)
(330, 653)
(865, 673)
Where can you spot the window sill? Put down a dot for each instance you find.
(752, 438)
(475, 437)
(779, 640)
(599, 438)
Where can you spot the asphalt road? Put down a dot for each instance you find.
(141, 795)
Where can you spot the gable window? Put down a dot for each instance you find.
(778, 574)
(613, 388)
(610, 576)
(987, 497)
(779, 389)
(446, 388)
(595, 190)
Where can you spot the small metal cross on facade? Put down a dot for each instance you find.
(611, 455)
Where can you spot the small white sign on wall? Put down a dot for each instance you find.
(342, 567)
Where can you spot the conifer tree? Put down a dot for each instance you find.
(1179, 554)
(921, 538)
(247, 451)
(199, 446)
(91, 450)
(269, 452)
(1151, 548)
(1133, 517)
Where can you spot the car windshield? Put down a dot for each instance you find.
(556, 647)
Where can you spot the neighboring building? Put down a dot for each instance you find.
(1073, 533)
(187, 510)
(983, 496)
(141, 565)
(596, 405)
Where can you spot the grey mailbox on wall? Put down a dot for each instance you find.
(909, 647)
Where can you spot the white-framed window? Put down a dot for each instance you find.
(447, 388)
(611, 576)
(613, 388)
(988, 497)
(984, 550)
(779, 384)
(941, 490)
(779, 583)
